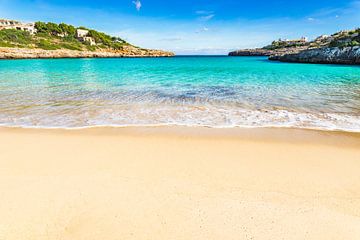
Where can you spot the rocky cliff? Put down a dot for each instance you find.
(335, 55)
(267, 52)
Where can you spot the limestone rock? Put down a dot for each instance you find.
(127, 51)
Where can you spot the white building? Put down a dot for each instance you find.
(82, 35)
(323, 38)
(5, 23)
(11, 24)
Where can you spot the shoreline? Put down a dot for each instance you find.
(179, 183)
(175, 126)
(278, 134)
(128, 52)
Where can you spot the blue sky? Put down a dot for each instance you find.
(194, 26)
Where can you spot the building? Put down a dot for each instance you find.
(323, 38)
(6, 23)
(291, 42)
(90, 40)
(304, 39)
(82, 35)
(11, 24)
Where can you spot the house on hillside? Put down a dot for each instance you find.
(12, 24)
(295, 41)
(287, 42)
(6, 23)
(324, 38)
(82, 35)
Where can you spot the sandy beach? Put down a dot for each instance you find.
(179, 183)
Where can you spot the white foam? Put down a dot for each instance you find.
(193, 116)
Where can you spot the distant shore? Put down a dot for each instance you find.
(179, 183)
(340, 48)
(25, 53)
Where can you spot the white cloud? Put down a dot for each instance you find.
(137, 4)
(203, 12)
(311, 19)
(207, 17)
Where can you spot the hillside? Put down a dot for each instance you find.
(340, 48)
(280, 47)
(40, 38)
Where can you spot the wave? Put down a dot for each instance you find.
(189, 117)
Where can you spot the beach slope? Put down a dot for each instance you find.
(179, 183)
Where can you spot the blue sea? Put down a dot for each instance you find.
(219, 92)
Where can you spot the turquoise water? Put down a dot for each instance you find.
(195, 91)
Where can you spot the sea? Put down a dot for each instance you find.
(210, 91)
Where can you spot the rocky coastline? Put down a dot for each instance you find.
(347, 55)
(267, 52)
(339, 48)
(127, 51)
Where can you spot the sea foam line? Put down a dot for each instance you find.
(325, 129)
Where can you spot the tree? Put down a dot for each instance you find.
(67, 29)
(41, 27)
(53, 28)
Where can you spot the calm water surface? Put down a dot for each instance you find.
(195, 91)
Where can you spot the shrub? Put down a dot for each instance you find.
(15, 36)
(91, 48)
(46, 45)
(70, 46)
(6, 44)
(354, 43)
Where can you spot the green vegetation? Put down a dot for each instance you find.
(346, 39)
(15, 37)
(283, 44)
(52, 36)
(45, 44)
(341, 44)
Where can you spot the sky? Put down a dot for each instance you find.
(194, 26)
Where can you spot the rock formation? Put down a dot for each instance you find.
(347, 55)
(24, 53)
(267, 52)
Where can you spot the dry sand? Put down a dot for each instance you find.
(179, 183)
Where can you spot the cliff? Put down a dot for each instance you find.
(335, 55)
